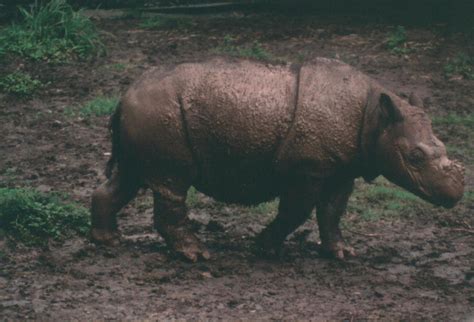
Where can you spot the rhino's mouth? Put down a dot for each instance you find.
(437, 183)
(442, 201)
(444, 192)
(434, 199)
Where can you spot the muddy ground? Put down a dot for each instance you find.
(408, 267)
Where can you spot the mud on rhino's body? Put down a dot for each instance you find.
(246, 132)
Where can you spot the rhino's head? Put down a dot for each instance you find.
(399, 143)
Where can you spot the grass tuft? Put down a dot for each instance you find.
(19, 84)
(381, 199)
(461, 64)
(270, 207)
(52, 31)
(255, 50)
(33, 218)
(192, 199)
(455, 119)
(397, 41)
(99, 106)
(118, 67)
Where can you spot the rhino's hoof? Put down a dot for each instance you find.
(105, 237)
(192, 251)
(339, 250)
(185, 244)
(194, 255)
(267, 246)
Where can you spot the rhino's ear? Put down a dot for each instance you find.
(415, 100)
(389, 111)
(381, 111)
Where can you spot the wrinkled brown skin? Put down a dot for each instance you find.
(246, 132)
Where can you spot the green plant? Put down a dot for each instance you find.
(99, 106)
(9, 176)
(119, 67)
(397, 41)
(32, 217)
(167, 22)
(469, 196)
(381, 199)
(19, 84)
(461, 64)
(255, 51)
(52, 31)
(192, 198)
(265, 208)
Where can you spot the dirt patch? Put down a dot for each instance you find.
(413, 268)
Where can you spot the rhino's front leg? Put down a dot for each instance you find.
(297, 200)
(330, 206)
(170, 218)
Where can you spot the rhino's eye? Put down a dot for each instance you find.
(416, 156)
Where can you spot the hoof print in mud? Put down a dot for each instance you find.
(247, 132)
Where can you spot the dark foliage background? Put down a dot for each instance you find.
(457, 13)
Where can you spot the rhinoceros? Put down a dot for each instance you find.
(247, 132)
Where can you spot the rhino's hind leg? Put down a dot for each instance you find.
(107, 200)
(296, 203)
(171, 221)
(331, 205)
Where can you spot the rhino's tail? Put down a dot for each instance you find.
(114, 129)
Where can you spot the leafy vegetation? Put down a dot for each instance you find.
(397, 41)
(461, 64)
(192, 197)
(53, 31)
(167, 22)
(269, 207)
(469, 196)
(118, 67)
(256, 50)
(19, 84)
(32, 217)
(99, 106)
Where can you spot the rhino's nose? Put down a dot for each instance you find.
(450, 185)
(445, 164)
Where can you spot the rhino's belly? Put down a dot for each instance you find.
(243, 182)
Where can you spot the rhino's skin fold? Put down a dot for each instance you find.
(246, 132)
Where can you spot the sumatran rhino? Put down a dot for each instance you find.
(246, 132)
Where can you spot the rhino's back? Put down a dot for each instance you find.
(218, 122)
(237, 114)
(244, 108)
